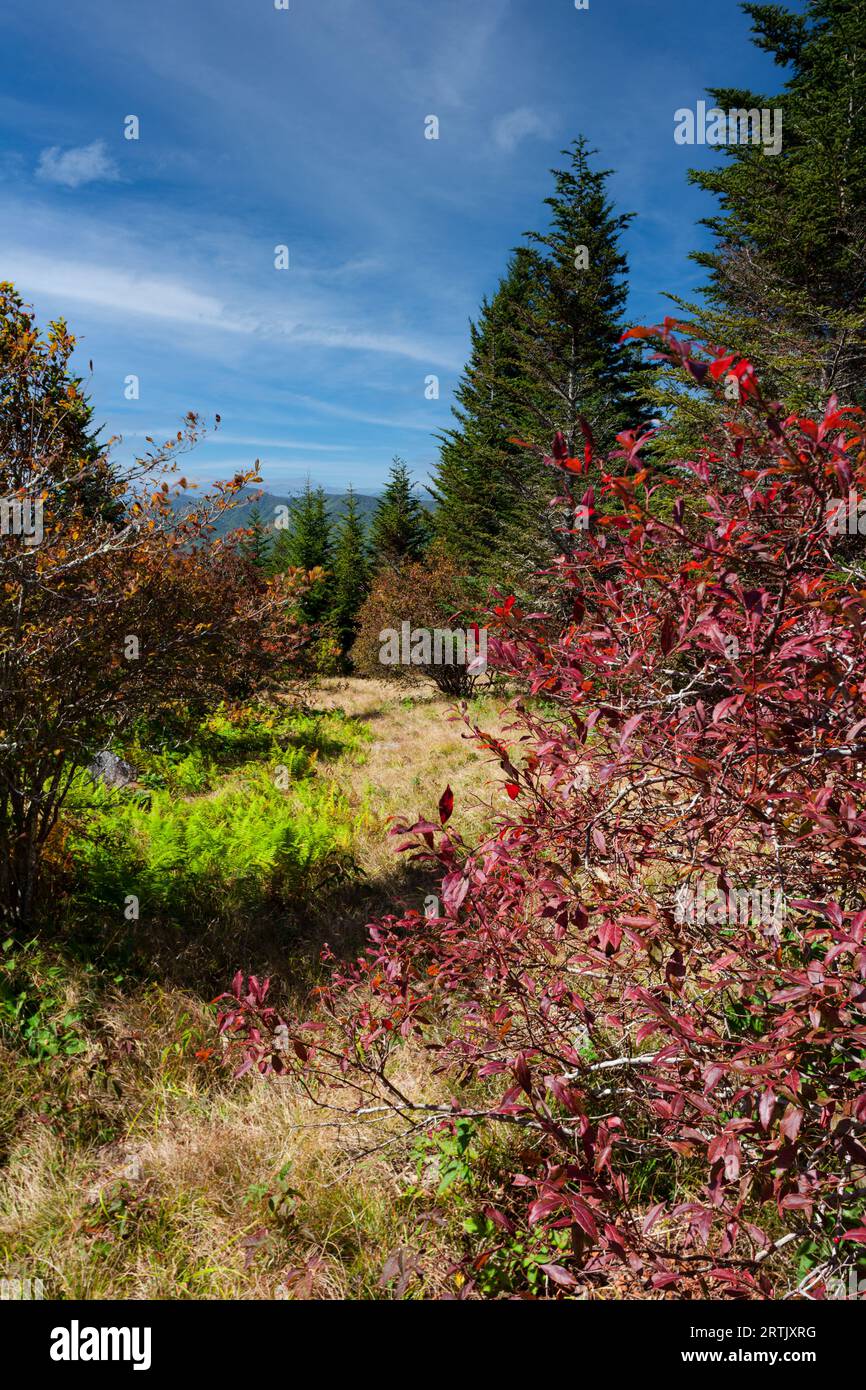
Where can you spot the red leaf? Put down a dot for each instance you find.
(628, 729)
(791, 1122)
(446, 805)
(559, 1276)
(766, 1106)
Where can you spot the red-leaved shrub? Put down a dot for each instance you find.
(689, 1074)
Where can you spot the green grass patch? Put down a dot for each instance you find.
(238, 815)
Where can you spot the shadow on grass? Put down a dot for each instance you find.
(199, 948)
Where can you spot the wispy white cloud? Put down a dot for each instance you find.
(76, 166)
(362, 417)
(114, 290)
(246, 441)
(509, 130)
(401, 345)
(453, 65)
(307, 320)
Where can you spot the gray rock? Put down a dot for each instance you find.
(113, 771)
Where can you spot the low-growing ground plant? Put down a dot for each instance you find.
(231, 816)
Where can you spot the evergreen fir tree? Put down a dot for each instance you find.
(477, 476)
(546, 357)
(310, 530)
(280, 557)
(399, 530)
(351, 580)
(787, 285)
(306, 544)
(257, 544)
(569, 334)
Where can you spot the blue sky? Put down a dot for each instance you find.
(305, 127)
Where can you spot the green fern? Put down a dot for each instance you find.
(206, 831)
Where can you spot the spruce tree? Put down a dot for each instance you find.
(787, 272)
(351, 580)
(546, 357)
(477, 476)
(569, 334)
(256, 545)
(399, 530)
(306, 544)
(280, 557)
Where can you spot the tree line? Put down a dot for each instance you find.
(343, 558)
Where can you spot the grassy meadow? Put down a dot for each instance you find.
(135, 1164)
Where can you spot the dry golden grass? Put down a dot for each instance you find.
(420, 745)
(181, 1204)
(138, 1170)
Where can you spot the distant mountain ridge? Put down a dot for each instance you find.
(268, 503)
